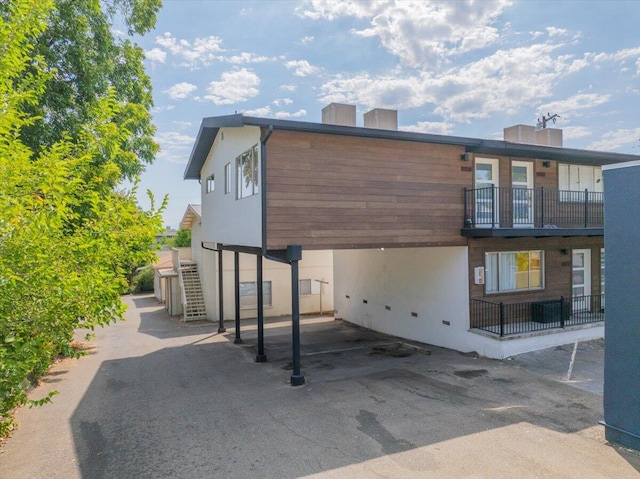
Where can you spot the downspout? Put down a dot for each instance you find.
(263, 190)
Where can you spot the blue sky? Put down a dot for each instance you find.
(464, 68)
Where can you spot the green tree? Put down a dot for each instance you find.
(68, 238)
(182, 239)
(86, 64)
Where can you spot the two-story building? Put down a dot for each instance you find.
(471, 244)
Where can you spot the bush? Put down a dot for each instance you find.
(143, 281)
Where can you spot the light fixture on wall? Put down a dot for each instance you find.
(564, 251)
(546, 164)
(465, 157)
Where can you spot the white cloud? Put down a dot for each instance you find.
(233, 87)
(155, 55)
(575, 132)
(282, 101)
(307, 40)
(572, 105)
(264, 111)
(174, 147)
(419, 32)
(557, 32)
(615, 140)
(301, 68)
(202, 52)
(621, 56)
(180, 91)
(433, 127)
(285, 114)
(290, 88)
(245, 57)
(502, 82)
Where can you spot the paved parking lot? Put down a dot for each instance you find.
(160, 399)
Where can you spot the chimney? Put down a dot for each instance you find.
(549, 137)
(520, 134)
(381, 119)
(339, 114)
(531, 136)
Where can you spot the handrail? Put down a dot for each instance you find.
(513, 207)
(504, 319)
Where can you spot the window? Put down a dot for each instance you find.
(305, 286)
(249, 297)
(247, 171)
(227, 178)
(579, 178)
(211, 184)
(514, 271)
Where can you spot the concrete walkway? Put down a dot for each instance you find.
(156, 398)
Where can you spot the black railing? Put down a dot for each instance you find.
(497, 207)
(506, 319)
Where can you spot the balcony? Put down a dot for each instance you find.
(516, 212)
(507, 319)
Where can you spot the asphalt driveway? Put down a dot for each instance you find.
(156, 398)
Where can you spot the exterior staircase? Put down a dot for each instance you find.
(192, 298)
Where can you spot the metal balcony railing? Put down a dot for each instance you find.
(504, 319)
(500, 207)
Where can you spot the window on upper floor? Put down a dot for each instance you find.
(579, 178)
(247, 173)
(227, 178)
(211, 183)
(514, 271)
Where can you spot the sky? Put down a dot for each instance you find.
(462, 68)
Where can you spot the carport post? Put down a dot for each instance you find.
(221, 328)
(297, 379)
(260, 357)
(236, 267)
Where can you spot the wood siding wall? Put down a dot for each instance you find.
(330, 192)
(557, 266)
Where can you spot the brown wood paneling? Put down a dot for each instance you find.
(557, 265)
(330, 191)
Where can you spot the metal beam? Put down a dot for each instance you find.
(221, 328)
(261, 357)
(236, 267)
(297, 379)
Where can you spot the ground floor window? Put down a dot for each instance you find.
(249, 296)
(514, 271)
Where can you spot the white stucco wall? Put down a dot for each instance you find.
(314, 265)
(430, 282)
(226, 219)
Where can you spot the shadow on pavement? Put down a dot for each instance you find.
(207, 410)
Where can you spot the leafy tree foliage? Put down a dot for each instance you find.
(68, 238)
(86, 64)
(182, 238)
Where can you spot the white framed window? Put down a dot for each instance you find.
(508, 271)
(577, 178)
(249, 296)
(247, 173)
(227, 178)
(211, 183)
(304, 287)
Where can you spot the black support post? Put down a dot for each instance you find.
(221, 328)
(261, 357)
(297, 379)
(236, 268)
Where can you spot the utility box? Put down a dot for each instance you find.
(549, 311)
(622, 324)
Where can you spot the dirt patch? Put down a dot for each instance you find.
(393, 351)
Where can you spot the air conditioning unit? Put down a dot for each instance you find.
(478, 275)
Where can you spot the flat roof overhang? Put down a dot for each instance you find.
(210, 126)
(529, 232)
